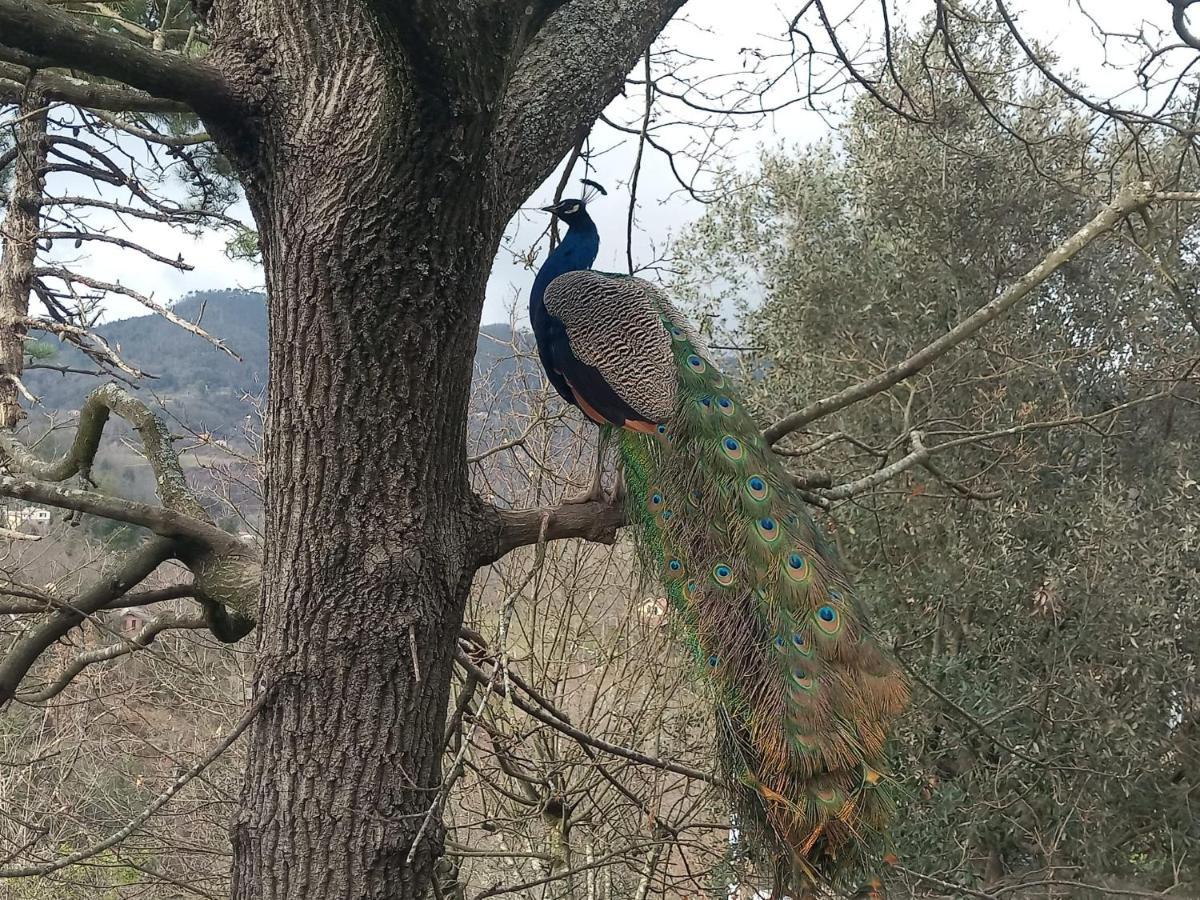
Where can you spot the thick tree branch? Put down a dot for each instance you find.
(76, 460)
(15, 81)
(36, 28)
(578, 62)
(170, 483)
(227, 572)
(595, 521)
(1131, 198)
(117, 578)
(164, 522)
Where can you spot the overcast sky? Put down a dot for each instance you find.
(716, 30)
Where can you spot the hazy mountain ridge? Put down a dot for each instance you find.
(205, 387)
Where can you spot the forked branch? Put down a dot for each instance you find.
(226, 571)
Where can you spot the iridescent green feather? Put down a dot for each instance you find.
(805, 696)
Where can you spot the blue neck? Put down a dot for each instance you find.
(577, 251)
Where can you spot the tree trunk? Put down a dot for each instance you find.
(21, 226)
(376, 254)
(370, 559)
(382, 149)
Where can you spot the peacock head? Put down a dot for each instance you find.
(574, 212)
(570, 211)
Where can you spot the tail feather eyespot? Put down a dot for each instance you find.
(757, 488)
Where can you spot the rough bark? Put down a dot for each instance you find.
(383, 145)
(21, 226)
(40, 32)
(379, 214)
(376, 254)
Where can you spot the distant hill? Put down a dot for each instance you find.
(207, 388)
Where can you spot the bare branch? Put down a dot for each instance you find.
(880, 476)
(1179, 22)
(144, 637)
(159, 802)
(1131, 198)
(164, 522)
(165, 312)
(154, 137)
(11, 534)
(89, 342)
(80, 236)
(120, 575)
(595, 521)
(39, 601)
(564, 725)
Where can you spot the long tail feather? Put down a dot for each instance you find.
(805, 695)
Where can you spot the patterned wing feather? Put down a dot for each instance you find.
(614, 325)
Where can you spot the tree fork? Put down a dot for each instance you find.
(380, 214)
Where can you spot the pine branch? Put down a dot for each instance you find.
(33, 27)
(112, 98)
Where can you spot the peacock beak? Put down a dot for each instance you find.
(550, 209)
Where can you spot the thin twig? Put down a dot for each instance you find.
(158, 803)
(1131, 198)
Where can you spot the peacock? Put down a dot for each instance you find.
(805, 696)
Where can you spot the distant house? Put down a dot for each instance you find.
(132, 621)
(37, 516)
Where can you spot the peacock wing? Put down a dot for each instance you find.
(614, 326)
